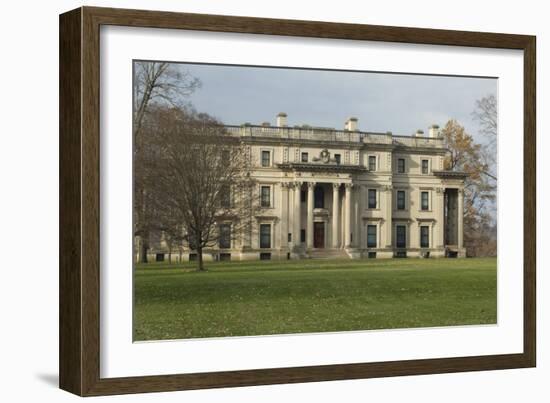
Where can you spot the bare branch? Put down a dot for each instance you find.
(198, 177)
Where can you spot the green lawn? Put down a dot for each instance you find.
(259, 298)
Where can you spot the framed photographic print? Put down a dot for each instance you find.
(250, 201)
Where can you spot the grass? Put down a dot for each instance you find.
(261, 298)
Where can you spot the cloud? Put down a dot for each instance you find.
(400, 103)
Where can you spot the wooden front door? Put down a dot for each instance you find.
(318, 234)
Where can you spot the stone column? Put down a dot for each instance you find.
(284, 215)
(460, 220)
(347, 216)
(439, 236)
(335, 214)
(297, 214)
(309, 228)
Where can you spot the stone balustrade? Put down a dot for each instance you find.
(332, 135)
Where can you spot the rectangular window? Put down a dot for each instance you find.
(401, 236)
(289, 237)
(424, 201)
(224, 257)
(225, 196)
(401, 165)
(371, 236)
(425, 165)
(424, 236)
(265, 196)
(372, 198)
(305, 157)
(303, 196)
(225, 155)
(266, 158)
(319, 197)
(302, 235)
(265, 256)
(191, 239)
(400, 200)
(225, 236)
(372, 163)
(265, 235)
(337, 158)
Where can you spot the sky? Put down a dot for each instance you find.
(400, 103)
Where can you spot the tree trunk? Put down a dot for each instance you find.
(144, 248)
(199, 259)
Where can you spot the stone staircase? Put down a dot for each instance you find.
(328, 254)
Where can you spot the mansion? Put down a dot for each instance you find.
(344, 194)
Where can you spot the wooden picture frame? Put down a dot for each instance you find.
(79, 200)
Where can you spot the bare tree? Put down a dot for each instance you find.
(202, 180)
(486, 114)
(156, 84)
(160, 83)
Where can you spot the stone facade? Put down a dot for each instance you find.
(345, 193)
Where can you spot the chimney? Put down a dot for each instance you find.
(434, 131)
(281, 119)
(351, 125)
(419, 133)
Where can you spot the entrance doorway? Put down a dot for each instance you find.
(318, 234)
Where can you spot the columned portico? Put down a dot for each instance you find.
(335, 214)
(453, 222)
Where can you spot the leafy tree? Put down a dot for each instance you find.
(479, 190)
